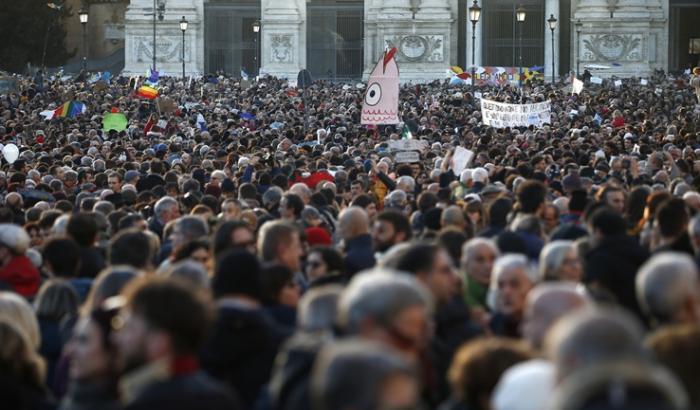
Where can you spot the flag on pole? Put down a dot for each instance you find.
(153, 77)
(147, 92)
(244, 75)
(114, 121)
(406, 133)
(69, 109)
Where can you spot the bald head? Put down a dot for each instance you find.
(546, 304)
(353, 222)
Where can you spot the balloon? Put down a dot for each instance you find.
(11, 153)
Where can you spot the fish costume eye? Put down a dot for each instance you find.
(374, 94)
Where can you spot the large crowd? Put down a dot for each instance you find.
(247, 245)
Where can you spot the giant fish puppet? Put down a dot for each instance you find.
(381, 102)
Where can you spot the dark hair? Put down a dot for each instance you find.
(224, 233)
(130, 247)
(237, 272)
(129, 221)
(173, 307)
(498, 211)
(82, 227)
(274, 277)
(63, 254)
(332, 258)
(608, 222)
(452, 239)
(418, 258)
(398, 220)
(188, 248)
(531, 194)
(672, 217)
(295, 203)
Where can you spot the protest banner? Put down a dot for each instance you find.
(407, 145)
(461, 159)
(501, 115)
(406, 156)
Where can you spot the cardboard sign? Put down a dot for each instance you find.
(407, 145)
(618, 83)
(596, 80)
(643, 81)
(406, 156)
(461, 159)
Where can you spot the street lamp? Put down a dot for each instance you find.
(552, 26)
(474, 16)
(520, 18)
(83, 15)
(256, 31)
(183, 28)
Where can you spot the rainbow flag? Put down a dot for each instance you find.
(70, 109)
(147, 92)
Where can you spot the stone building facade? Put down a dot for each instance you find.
(342, 39)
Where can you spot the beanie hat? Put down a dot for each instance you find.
(237, 272)
(318, 236)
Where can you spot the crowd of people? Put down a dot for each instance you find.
(243, 246)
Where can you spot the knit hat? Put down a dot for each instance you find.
(318, 236)
(237, 272)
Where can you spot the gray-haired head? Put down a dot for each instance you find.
(594, 336)
(507, 264)
(406, 183)
(103, 207)
(378, 296)
(352, 374)
(188, 228)
(14, 238)
(164, 205)
(318, 308)
(190, 271)
(552, 258)
(668, 288)
(396, 199)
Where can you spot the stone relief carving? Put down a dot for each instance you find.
(281, 49)
(611, 47)
(169, 49)
(418, 48)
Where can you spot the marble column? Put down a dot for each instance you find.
(138, 42)
(283, 38)
(395, 10)
(434, 10)
(551, 7)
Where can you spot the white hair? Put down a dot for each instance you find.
(502, 265)
(552, 257)
(465, 176)
(480, 175)
(15, 238)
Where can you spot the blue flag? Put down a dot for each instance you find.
(153, 77)
(244, 75)
(598, 119)
(201, 122)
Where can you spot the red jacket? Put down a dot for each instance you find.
(312, 180)
(21, 275)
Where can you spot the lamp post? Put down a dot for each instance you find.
(578, 42)
(552, 26)
(83, 15)
(256, 32)
(474, 16)
(520, 18)
(183, 28)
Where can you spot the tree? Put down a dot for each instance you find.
(27, 28)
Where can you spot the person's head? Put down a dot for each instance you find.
(318, 308)
(83, 228)
(231, 209)
(620, 386)
(131, 247)
(675, 347)
(531, 195)
(323, 261)
(14, 242)
(61, 257)
(672, 218)
(237, 274)
(453, 216)
(91, 348)
(16, 310)
(278, 241)
(278, 286)
(694, 233)
(57, 300)
(668, 289)
(387, 307)
(478, 257)
(162, 319)
(432, 265)
(291, 206)
(353, 222)
(613, 197)
(188, 228)
(234, 234)
(559, 261)
(478, 365)
(592, 336)
(357, 374)
(511, 281)
(606, 223)
(110, 282)
(166, 209)
(546, 303)
(19, 360)
(197, 250)
(390, 228)
(114, 181)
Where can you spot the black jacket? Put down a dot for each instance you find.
(196, 391)
(91, 396)
(242, 350)
(359, 254)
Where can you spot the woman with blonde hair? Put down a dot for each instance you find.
(15, 309)
(21, 370)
